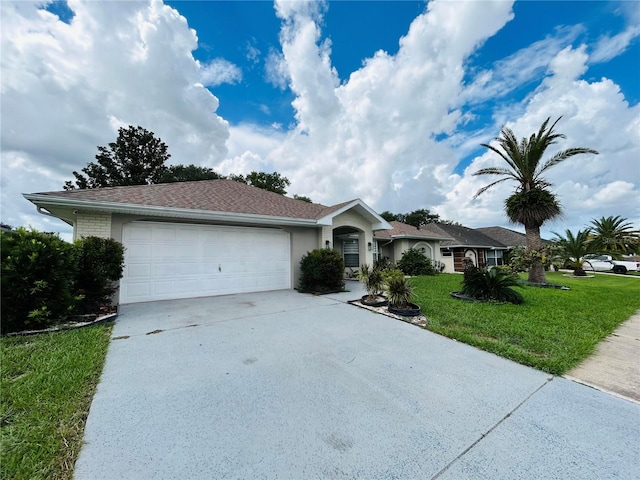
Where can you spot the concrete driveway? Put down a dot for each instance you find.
(291, 386)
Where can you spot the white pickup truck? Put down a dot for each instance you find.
(605, 263)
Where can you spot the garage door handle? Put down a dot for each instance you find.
(219, 268)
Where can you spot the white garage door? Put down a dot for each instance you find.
(169, 260)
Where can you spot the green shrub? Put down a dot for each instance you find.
(321, 271)
(414, 262)
(38, 271)
(100, 264)
(491, 284)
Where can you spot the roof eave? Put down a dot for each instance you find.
(377, 222)
(166, 212)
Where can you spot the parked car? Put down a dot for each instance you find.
(605, 263)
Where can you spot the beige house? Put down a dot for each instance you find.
(212, 237)
(393, 243)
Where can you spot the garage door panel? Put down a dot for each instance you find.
(164, 261)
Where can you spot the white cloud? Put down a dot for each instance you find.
(67, 87)
(219, 71)
(372, 136)
(376, 135)
(595, 115)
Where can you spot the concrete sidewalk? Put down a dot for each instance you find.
(615, 366)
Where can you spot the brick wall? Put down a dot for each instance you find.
(92, 225)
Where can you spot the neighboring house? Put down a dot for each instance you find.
(466, 242)
(211, 237)
(510, 238)
(393, 243)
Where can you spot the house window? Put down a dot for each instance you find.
(351, 253)
(376, 254)
(494, 258)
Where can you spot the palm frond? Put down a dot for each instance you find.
(487, 187)
(564, 154)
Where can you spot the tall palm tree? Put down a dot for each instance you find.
(614, 236)
(532, 203)
(573, 248)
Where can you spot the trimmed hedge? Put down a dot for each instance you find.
(100, 265)
(38, 270)
(414, 262)
(45, 279)
(321, 271)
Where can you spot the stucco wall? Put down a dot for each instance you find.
(353, 219)
(303, 240)
(92, 225)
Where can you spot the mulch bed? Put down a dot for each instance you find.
(419, 320)
(79, 321)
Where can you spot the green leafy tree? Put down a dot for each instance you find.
(573, 248)
(420, 217)
(187, 173)
(388, 216)
(303, 198)
(614, 236)
(273, 182)
(532, 203)
(417, 218)
(137, 157)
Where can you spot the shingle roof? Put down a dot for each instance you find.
(463, 236)
(508, 237)
(206, 195)
(409, 231)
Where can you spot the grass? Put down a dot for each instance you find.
(46, 386)
(554, 330)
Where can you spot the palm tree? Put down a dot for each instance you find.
(574, 248)
(614, 236)
(532, 203)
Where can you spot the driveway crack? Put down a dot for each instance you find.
(485, 434)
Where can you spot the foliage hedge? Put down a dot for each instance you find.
(45, 279)
(100, 265)
(414, 262)
(321, 271)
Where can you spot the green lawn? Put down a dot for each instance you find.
(553, 330)
(47, 383)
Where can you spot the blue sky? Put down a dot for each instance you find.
(385, 101)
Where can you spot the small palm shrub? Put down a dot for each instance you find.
(398, 289)
(373, 280)
(493, 284)
(38, 271)
(321, 271)
(414, 262)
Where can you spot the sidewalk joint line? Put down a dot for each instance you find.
(485, 434)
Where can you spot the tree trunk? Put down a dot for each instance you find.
(534, 242)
